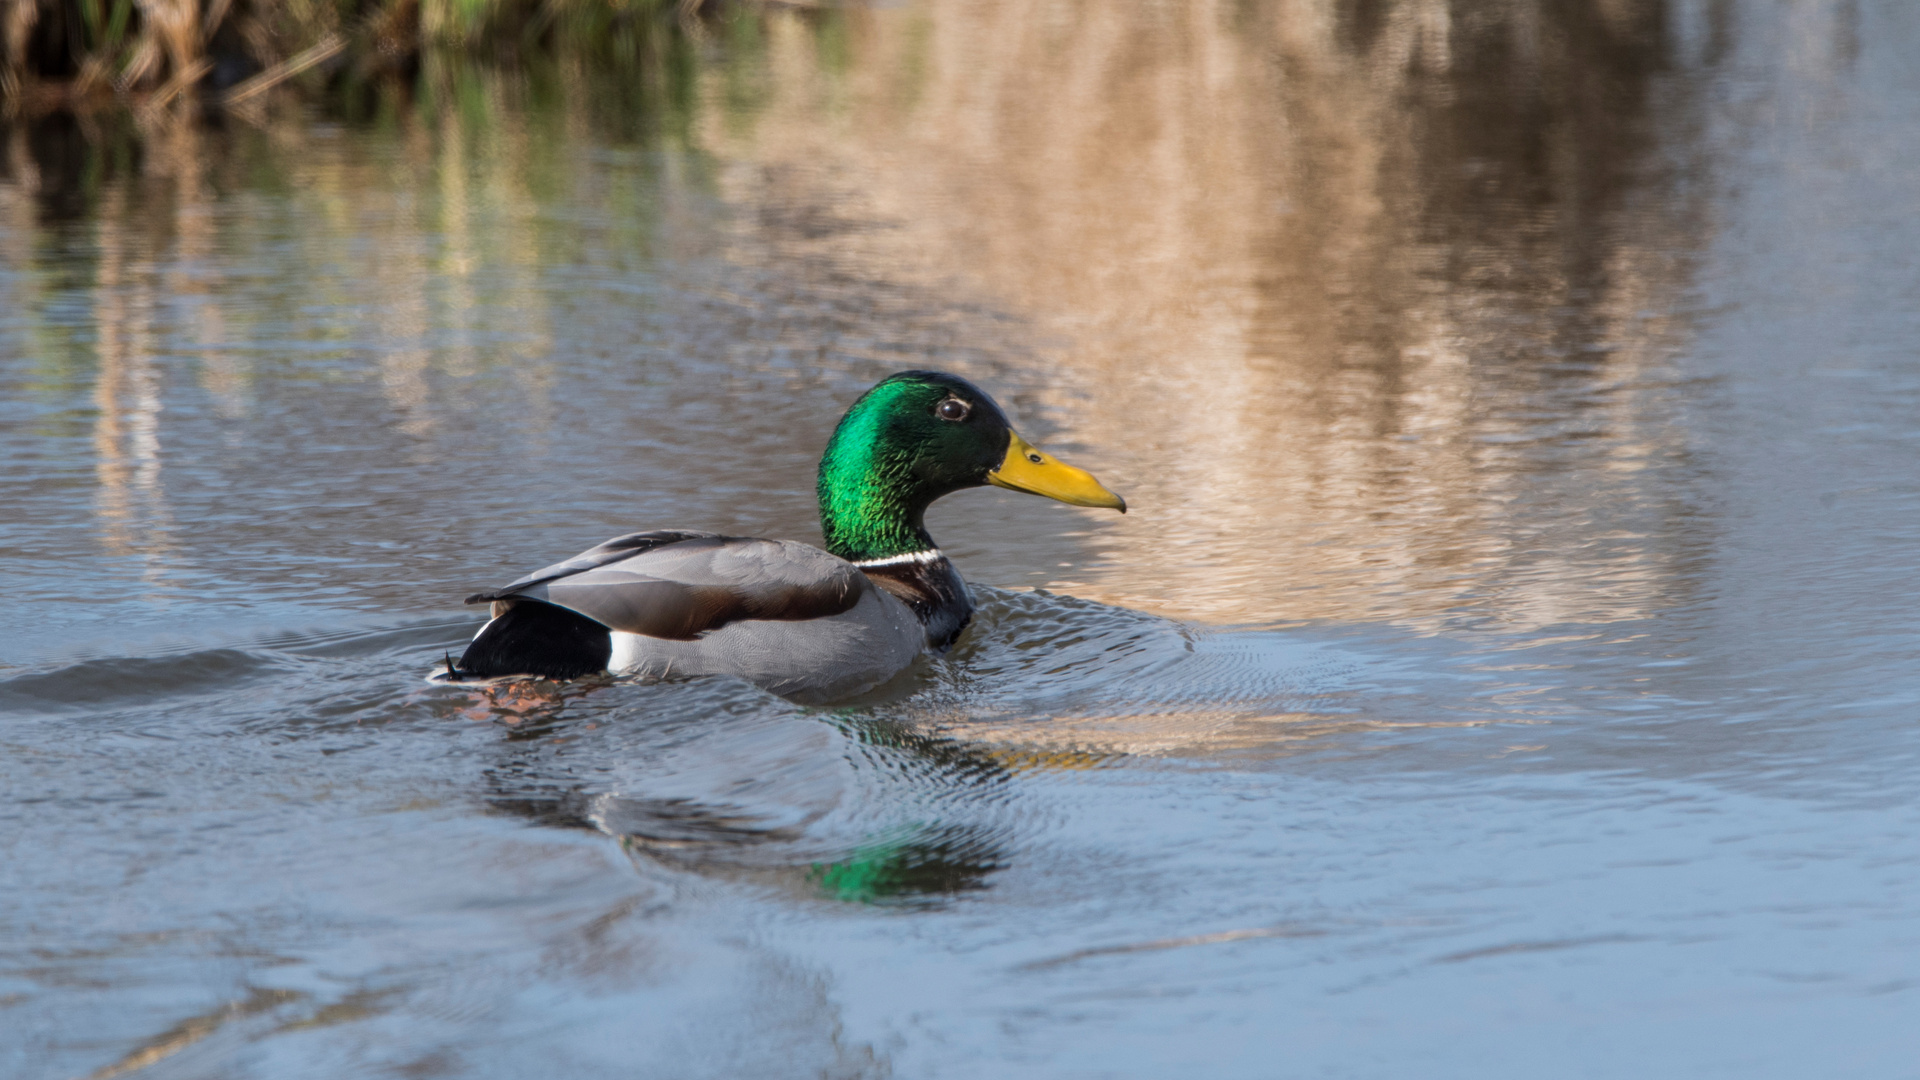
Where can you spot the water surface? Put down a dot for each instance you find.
(1508, 665)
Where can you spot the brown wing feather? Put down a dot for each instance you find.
(682, 612)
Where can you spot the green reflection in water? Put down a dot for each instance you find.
(916, 861)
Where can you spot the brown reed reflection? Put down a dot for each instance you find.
(451, 197)
(130, 500)
(1367, 305)
(1361, 290)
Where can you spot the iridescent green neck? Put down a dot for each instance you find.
(871, 504)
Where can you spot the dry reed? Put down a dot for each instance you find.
(85, 54)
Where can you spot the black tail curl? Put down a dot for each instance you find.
(535, 638)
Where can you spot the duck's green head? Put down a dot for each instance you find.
(919, 435)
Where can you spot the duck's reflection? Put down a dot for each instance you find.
(924, 861)
(845, 806)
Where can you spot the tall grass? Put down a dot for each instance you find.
(81, 54)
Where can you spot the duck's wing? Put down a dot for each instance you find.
(614, 550)
(681, 585)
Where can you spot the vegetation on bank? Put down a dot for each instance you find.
(81, 54)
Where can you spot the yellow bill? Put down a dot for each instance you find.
(1027, 469)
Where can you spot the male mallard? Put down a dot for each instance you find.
(799, 621)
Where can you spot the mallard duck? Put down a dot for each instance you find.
(804, 623)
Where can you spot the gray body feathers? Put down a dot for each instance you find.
(789, 617)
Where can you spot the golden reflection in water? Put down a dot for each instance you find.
(428, 309)
(160, 237)
(16, 225)
(1367, 305)
(1067, 742)
(130, 501)
(178, 149)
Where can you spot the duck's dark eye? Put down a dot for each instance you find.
(952, 409)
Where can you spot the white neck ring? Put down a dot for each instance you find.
(931, 555)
